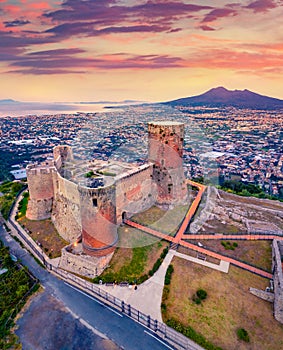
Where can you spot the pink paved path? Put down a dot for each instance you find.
(178, 239)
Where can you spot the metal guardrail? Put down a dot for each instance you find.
(174, 338)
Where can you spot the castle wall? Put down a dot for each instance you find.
(40, 184)
(84, 265)
(98, 218)
(62, 153)
(278, 281)
(165, 151)
(66, 214)
(135, 192)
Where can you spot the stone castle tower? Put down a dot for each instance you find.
(98, 218)
(41, 191)
(165, 151)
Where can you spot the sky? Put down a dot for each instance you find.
(149, 50)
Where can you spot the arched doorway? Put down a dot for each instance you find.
(124, 216)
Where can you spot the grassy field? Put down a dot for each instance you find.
(257, 253)
(44, 232)
(135, 257)
(23, 205)
(166, 221)
(228, 306)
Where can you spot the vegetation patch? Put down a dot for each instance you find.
(22, 208)
(200, 295)
(228, 245)
(9, 191)
(243, 335)
(168, 275)
(45, 235)
(229, 306)
(192, 334)
(246, 190)
(134, 261)
(16, 284)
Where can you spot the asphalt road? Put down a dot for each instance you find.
(123, 331)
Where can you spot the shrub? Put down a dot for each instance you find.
(196, 299)
(202, 294)
(192, 334)
(168, 275)
(243, 335)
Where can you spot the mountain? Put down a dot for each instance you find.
(7, 101)
(221, 97)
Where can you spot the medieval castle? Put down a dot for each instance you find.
(87, 201)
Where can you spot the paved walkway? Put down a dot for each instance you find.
(147, 297)
(223, 266)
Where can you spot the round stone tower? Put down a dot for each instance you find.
(165, 151)
(98, 218)
(41, 192)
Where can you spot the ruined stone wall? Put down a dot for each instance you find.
(98, 218)
(135, 192)
(278, 281)
(40, 184)
(66, 215)
(84, 265)
(63, 153)
(165, 151)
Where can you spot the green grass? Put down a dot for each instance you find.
(15, 287)
(137, 256)
(22, 208)
(10, 191)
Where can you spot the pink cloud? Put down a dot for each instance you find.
(261, 5)
(206, 28)
(215, 14)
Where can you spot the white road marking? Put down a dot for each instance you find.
(115, 312)
(90, 297)
(160, 341)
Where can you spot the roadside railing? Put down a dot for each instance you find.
(175, 339)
